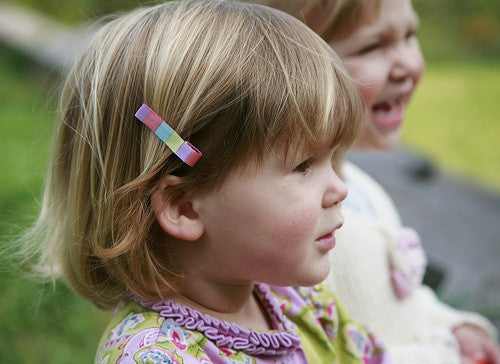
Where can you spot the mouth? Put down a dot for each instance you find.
(388, 114)
(327, 242)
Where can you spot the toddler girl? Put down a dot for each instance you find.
(192, 185)
(378, 264)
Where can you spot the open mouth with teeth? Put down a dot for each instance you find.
(388, 114)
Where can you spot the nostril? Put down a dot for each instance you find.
(342, 196)
(343, 191)
(334, 195)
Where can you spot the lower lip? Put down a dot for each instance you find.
(388, 119)
(326, 243)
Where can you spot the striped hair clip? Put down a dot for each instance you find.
(182, 149)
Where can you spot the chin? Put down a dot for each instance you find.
(390, 143)
(381, 143)
(300, 282)
(313, 279)
(385, 146)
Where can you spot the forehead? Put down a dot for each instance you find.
(393, 16)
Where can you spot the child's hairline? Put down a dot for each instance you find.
(337, 18)
(338, 28)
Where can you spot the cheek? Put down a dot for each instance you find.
(370, 79)
(369, 93)
(273, 223)
(295, 225)
(419, 62)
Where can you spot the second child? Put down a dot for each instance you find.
(378, 264)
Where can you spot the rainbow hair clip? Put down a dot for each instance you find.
(182, 149)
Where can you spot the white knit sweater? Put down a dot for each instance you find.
(417, 328)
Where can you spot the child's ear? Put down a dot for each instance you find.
(175, 216)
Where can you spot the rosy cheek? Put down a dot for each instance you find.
(298, 227)
(420, 66)
(368, 94)
(367, 86)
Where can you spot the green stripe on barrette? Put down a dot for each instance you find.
(182, 149)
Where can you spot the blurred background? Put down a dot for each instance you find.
(452, 131)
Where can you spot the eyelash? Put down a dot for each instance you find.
(411, 34)
(374, 46)
(369, 48)
(304, 166)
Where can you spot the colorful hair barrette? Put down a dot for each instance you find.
(182, 149)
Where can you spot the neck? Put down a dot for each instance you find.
(230, 302)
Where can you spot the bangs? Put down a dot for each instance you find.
(345, 16)
(267, 78)
(327, 118)
(305, 97)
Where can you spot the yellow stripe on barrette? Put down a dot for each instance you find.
(182, 149)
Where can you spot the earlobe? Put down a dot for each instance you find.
(175, 216)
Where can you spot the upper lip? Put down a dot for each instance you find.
(401, 94)
(332, 231)
(339, 225)
(399, 98)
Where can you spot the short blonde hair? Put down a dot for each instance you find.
(331, 19)
(230, 77)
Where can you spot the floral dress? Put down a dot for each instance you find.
(309, 326)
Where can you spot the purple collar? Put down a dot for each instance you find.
(279, 342)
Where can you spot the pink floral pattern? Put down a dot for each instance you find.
(165, 332)
(407, 262)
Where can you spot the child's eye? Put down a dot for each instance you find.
(410, 34)
(304, 166)
(368, 48)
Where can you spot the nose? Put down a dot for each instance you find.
(335, 192)
(408, 61)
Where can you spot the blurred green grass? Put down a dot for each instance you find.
(450, 29)
(454, 119)
(453, 30)
(38, 322)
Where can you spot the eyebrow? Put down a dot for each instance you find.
(383, 32)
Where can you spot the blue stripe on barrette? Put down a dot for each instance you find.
(183, 149)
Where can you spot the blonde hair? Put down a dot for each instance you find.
(229, 77)
(331, 19)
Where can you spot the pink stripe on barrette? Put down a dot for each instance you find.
(188, 153)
